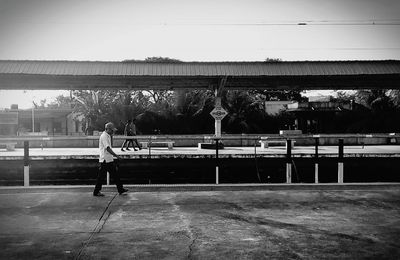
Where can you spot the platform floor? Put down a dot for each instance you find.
(69, 223)
(163, 152)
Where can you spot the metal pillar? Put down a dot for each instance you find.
(288, 161)
(26, 163)
(33, 119)
(217, 122)
(316, 159)
(340, 162)
(216, 162)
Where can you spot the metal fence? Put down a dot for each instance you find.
(216, 144)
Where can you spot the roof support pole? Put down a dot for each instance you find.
(217, 122)
(218, 92)
(33, 119)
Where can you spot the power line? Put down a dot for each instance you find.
(336, 48)
(365, 22)
(310, 23)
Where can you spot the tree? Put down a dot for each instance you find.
(62, 101)
(394, 96)
(192, 111)
(345, 96)
(162, 59)
(245, 112)
(375, 99)
(154, 59)
(273, 60)
(374, 111)
(278, 95)
(94, 105)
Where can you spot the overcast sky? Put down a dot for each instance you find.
(199, 30)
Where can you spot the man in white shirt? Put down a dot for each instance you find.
(107, 163)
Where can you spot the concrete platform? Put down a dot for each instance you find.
(194, 152)
(349, 222)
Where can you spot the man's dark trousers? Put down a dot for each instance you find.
(101, 176)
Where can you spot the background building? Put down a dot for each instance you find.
(273, 108)
(316, 116)
(40, 121)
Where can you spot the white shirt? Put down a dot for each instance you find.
(104, 142)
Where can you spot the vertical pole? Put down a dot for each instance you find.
(66, 125)
(217, 128)
(217, 122)
(149, 147)
(288, 161)
(340, 162)
(54, 129)
(108, 174)
(33, 119)
(216, 162)
(316, 159)
(217, 135)
(26, 163)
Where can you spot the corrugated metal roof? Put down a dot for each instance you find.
(300, 68)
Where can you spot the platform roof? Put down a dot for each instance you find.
(19, 74)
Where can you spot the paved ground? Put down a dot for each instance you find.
(254, 224)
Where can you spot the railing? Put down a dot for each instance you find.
(254, 140)
(189, 140)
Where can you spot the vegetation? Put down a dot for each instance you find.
(374, 111)
(188, 112)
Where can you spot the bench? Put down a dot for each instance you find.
(290, 132)
(10, 146)
(265, 143)
(146, 144)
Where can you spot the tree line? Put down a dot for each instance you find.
(188, 111)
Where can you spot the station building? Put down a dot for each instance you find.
(40, 121)
(310, 116)
(315, 115)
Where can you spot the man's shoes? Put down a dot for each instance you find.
(123, 191)
(98, 194)
(122, 149)
(128, 149)
(136, 150)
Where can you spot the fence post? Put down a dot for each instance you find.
(26, 164)
(149, 146)
(288, 161)
(255, 146)
(340, 162)
(216, 161)
(316, 159)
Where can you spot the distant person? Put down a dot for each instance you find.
(89, 130)
(130, 130)
(134, 133)
(107, 163)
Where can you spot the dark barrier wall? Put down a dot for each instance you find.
(232, 170)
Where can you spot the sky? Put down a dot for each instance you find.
(195, 30)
